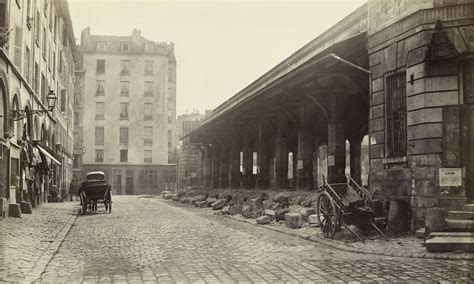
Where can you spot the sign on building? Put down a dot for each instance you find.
(450, 177)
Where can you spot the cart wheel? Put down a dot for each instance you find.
(327, 215)
(84, 205)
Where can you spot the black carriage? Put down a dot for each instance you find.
(95, 190)
(342, 204)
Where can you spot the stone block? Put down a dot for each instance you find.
(267, 204)
(235, 209)
(270, 213)
(398, 216)
(425, 115)
(25, 207)
(421, 131)
(211, 200)
(218, 204)
(280, 213)
(246, 211)
(313, 220)
(263, 220)
(201, 204)
(293, 220)
(435, 220)
(3, 207)
(14, 210)
(282, 197)
(256, 204)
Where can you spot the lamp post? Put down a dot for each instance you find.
(19, 114)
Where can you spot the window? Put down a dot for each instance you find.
(43, 91)
(77, 161)
(100, 66)
(123, 111)
(26, 66)
(148, 68)
(124, 90)
(99, 110)
(125, 46)
(147, 156)
(101, 46)
(149, 89)
(123, 136)
(123, 155)
(396, 115)
(148, 136)
(45, 42)
(38, 28)
(149, 47)
(100, 88)
(170, 139)
(99, 136)
(63, 100)
(125, 67)
(148, 112)
(99, 156)
(76, 118)
(18, 47)
(170, 115)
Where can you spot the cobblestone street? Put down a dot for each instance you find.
(146, 239)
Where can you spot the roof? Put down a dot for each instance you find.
(352, 25)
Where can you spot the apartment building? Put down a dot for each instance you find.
(126, 111)
(36, 65)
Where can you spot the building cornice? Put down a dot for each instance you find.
(418, 18)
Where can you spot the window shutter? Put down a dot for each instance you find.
(3, 16)
(18, 47)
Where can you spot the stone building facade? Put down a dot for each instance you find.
(421, 117)
(37, 56)
(126, 105)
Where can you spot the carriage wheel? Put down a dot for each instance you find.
(84, 204)
(327, 215)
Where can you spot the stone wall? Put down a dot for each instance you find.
(432, 86)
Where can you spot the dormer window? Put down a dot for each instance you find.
(149, 47)
(101, 46)
(125, 46)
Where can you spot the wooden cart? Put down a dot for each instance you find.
(343, 204)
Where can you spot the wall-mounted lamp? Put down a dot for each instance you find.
(19, 114)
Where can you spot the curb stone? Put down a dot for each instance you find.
(43, 261)
(345, 248)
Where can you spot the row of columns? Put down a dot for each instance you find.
(221, 161)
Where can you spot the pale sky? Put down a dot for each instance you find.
(220, 46)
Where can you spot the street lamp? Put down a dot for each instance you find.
(19, 114)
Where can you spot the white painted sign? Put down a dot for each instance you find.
(450, 177)
(193, 175)
(300, 164)
(331, 161)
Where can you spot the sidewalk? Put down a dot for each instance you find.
(405, 246)
(28, 243)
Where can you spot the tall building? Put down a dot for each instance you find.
(36, 63)
(188, 154)
(126, 111)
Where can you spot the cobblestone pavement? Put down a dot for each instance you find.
(27, 243)
(148, 240)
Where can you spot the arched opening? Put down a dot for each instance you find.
(16, 126)
(36, 130)
(364, 157)
(3, 108)
(44, 134)
(290, 167)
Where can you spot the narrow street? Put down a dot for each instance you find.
(147, 239)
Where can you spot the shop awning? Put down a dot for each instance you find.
(47, 154)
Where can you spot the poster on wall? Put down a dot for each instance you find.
(450, 177)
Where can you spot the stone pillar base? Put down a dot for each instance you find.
(25, 207)
(14, 210)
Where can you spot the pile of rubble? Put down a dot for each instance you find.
(266, 208)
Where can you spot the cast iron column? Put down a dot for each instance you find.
(215, 165)
(281, 153)
(336, 141)
(248, 160)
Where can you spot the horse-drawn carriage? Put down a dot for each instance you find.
(342, 204)
(95, 190)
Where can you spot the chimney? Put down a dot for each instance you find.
(85, 33)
